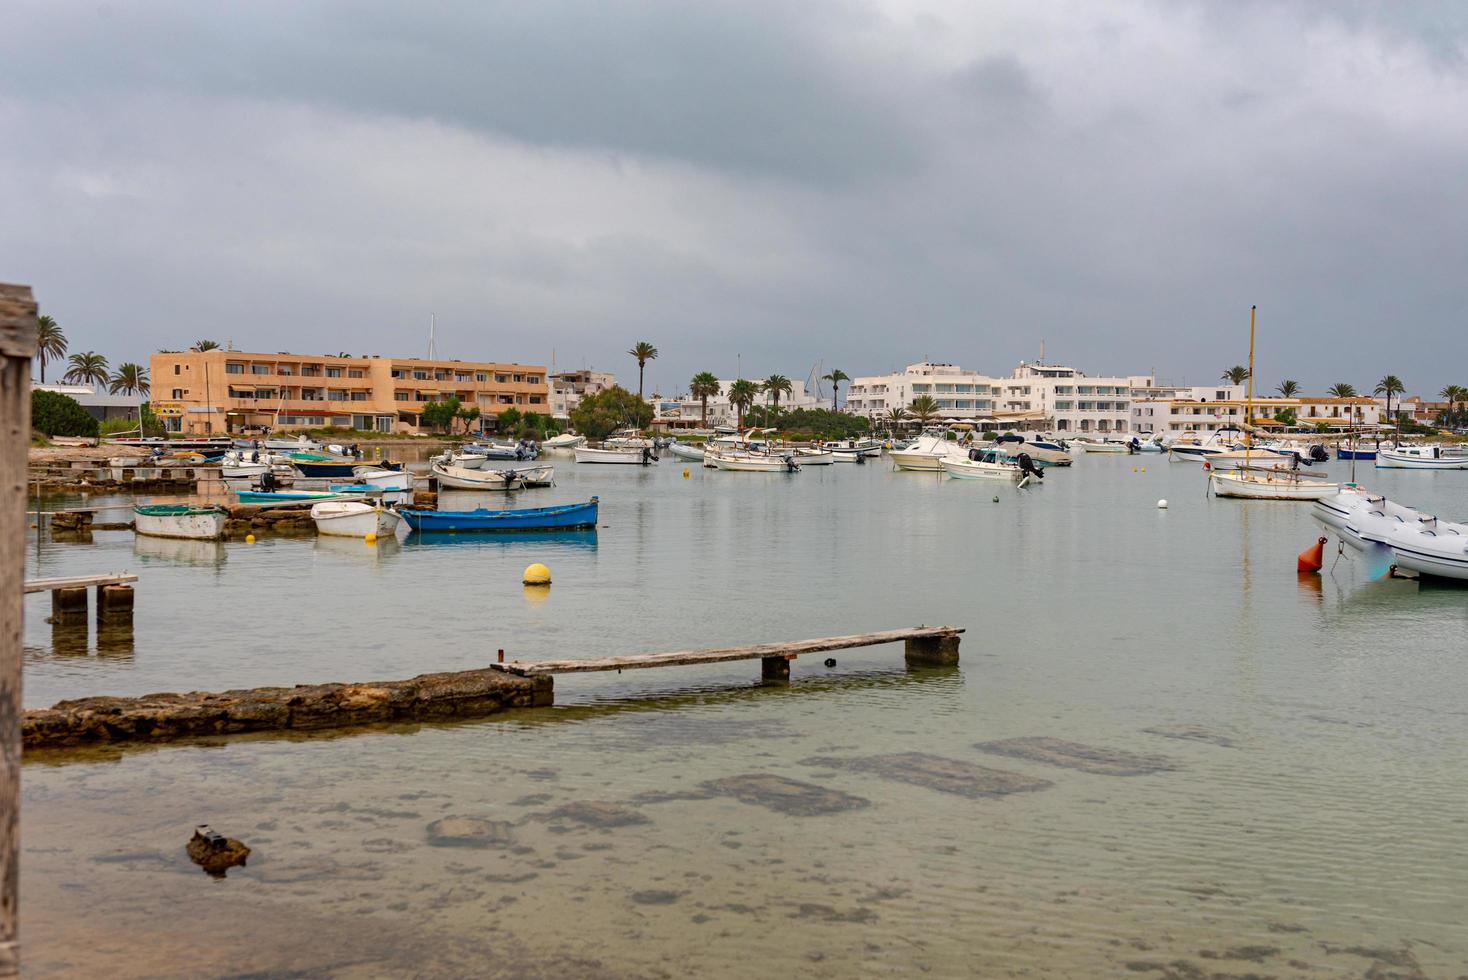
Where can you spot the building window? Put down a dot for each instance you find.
(178, 393)
(260, 369)
(401, 396)
(333, 372)
(420, 375)
(481, 377)
(359, 373)
(233, 369)
(535, 399)
(534, 379)
(501, 379)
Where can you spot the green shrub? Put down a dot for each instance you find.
(598, 416)
(60, 415)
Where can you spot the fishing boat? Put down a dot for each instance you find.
(1419, 458)
(1152, 445)
(983, 464)
(753, 462)
(384, 479)
(628, 439)
(461, 479)
(853, 450)
(566, 517)
(629, 457)
(1255, 458)
(566, 440)
(694, 454)
(1357, 452)
(283, 496)
(1267, 483)
(814, 457)
(318, 466)
(180, 521)
(463, 460)
(299, 444)
(354, 519)
(538, 475)
(1431, 547)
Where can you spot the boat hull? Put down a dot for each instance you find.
(1389, 460)
(282, 496)
(1255, 486)
(461, 479)
(625, 457)
(968, 469)
(754, 464)
(1440, 551)
(918, 462)
(349, 519)
(693, 454)
(192, 523)
(569, 517)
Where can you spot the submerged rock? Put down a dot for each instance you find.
(598, 813)
(1190, 733)
(214, 852)
(656, 897)
(783, 795)
(469, 832)
(1072, 755)
(937, 773)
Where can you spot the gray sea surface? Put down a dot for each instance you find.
(1163, 753)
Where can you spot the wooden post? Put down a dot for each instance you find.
(17, 348)
(69, 605)
(775, 670)
(932, 651)
(114, 604)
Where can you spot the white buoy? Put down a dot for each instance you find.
(1161, 505)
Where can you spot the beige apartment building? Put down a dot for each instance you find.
(221, 391)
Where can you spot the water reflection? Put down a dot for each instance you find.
(357, 549)
(583, 540)
(181, 551)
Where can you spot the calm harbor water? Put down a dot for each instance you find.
(1302, 809)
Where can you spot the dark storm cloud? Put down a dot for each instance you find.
(860, 184)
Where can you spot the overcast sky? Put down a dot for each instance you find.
(757, 184)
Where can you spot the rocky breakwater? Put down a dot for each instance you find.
(160, 717)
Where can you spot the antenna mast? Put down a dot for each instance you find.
(432, 346)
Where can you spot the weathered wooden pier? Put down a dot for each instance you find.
(457, 695)
(69, 595)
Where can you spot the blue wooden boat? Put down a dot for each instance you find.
(279, 496)
(563, 518)
(1344, 453)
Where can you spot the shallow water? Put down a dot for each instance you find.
(1306, 813)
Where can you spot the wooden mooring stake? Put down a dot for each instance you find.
(17, 348)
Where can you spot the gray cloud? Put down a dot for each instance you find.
(855, 183)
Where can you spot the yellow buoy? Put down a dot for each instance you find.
(1144, 469)
(537, 574)
(370, 538)
(249, 539)
(685, 472)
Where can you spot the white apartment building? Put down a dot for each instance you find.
(1163, 415)
(683, 410)
(1151, 405)
(1034, 396)
(567, 388)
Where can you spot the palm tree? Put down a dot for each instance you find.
(742, 394)
(204, 345)
(835, 377)
(131, 379)
(88, 368)
(644, 352)
(703, 387)
(1389, 386)
(924, 408)
(775, 386)
(1343, 390)
(50, 342)
(894, 418)
(1453, 394)
(1236, 375)
(1288, 388)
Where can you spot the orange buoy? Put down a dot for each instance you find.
(1312, 559)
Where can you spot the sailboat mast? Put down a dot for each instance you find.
(1249, 393)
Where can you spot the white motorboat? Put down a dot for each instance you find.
(694, 454)
(180, 521)
(1334, 510)
(566, 440)
(990, 464)
(1042, 453)
(1419, 458)
(354, 519)
(627, 439)
(1194, 447)
(463, 460)
(753, 462)
(630, 457)
(853, 450)
(1431, 547)
(1104, 446)
(1372, 522)
(814, 457)
(299, 444)
(458, 478)
(927, 452)
(1269, 484)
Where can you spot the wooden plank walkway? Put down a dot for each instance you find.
(78, 582)
(936, 643)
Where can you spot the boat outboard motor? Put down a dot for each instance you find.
(255, 456)
(1133, 447)
(267, 482)
(1027, 466)
(973, 454)
(647, 456)
(791, 466)
(1318, 453)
